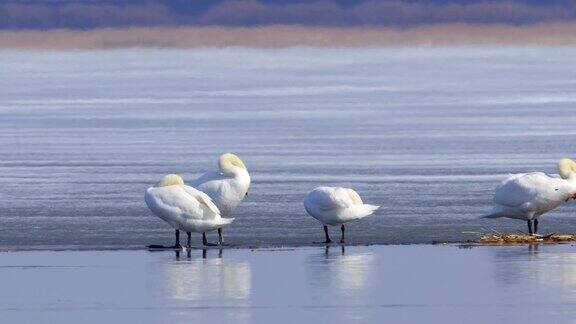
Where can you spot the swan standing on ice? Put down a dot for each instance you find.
(526, 196)
(184, 207)
(336, 205)
(227, 187)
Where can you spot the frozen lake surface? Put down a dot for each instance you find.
(425, 132)
(396, 284)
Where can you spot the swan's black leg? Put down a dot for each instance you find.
(205, 241)
(328, 240)
(535, 226)
(189, 244)
(220, 237)
(342, 229)
(177, 244)
(530, 227)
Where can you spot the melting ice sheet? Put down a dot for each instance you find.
(425, 132)
(411, 284)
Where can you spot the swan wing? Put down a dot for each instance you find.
(524, 188)
(176, 202)
(210, 183)
(328, 198)
(205, 201)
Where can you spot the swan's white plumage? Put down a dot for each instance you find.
(184, 207)
(228, 186)
(336, 205)
(526, 196)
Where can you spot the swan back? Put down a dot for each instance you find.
(336, 205)
(183, 207)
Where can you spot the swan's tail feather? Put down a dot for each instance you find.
(494, 213)
(370, 209)
(226, 221)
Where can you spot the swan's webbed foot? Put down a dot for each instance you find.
(159, 246)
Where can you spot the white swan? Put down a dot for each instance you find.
(336, 205)
(184, 207)
(227, 187)
(527, 196)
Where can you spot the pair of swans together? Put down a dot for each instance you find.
(524, 196)
(207, 204)
(200, 207)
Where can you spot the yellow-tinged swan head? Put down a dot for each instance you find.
(227, 161)
(355, 197)
(566, 168)
(171, 180)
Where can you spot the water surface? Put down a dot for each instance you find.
(397, 284)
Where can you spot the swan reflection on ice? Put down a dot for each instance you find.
(205, 279)
(550, 270)
(340, 272)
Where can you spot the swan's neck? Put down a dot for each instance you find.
(230, 170)
(239, 174)
(231, 165)
(571, 178)
(242, 176)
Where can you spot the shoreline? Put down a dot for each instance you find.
(199, 248)
(283, 36)
(459, 244)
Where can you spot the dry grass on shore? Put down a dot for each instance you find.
(521, 238)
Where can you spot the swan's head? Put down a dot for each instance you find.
(566, 168)
(355, 197)
(229, 161)
(171, 180)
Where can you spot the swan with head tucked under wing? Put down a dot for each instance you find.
(184, 207)
(526, 196)
(227, 187)
(336, 205)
